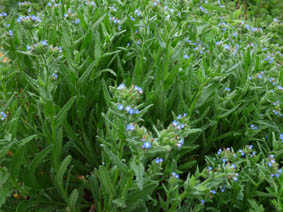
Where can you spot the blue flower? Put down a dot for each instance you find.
(223, 160)
(54, 76)
(233, 166)
(186, 56)
(3, 116)
(132, 18)
(212, 191)
(121, 86)
(253, 127)
(202, 201)
(219, 152)
(235, 179)
(10, 32)
(44, 43)
(146, 145)
(128, 108)
(139, 89)
(158, 160)
(28, 48)
(77, 21)
(120, 107)
(175, 123)
(132, 111)
(269, 164)
(130, 127)
(174, 174)
(181, 126)
(137, 12)
(19, 19)
(226, 46)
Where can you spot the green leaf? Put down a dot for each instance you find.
(106, 181)
(60, 117)
(73, 199)
(236, 13)
(39, 159)
(122, 167)
(60, 174)
(138, 169)
(85, 77)
(25, 140)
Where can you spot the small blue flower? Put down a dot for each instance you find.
(175, 123)
(121, 86)
(132, 18)
(174, 174)
(233, 166)
(219, 152)
(44, 43)
(202, 201)
(128, 108)
(146, 145)
(120, 107)
(222, 189)
(186, 56)
(3, 116)
(235, 179)
(209, 168)
(10, 32)
(223, 160)
(158, 160)
(181, 126)
(253, 127)
(139, 89)
(227, 89)
(77, 21)
(179, 116)
(130, 127)
(269, 164)
(132, 111)
(54, 76)
(226, 46)
(212, 191)
(28, 48)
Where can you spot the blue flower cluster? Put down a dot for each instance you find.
(33, 18)
(3, 116)
(24, 4)
(3, 14)
(53, 4)
(158, 160)
(130, 110)
(174, 174)
(253, 127)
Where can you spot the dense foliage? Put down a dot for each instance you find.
(119, 105)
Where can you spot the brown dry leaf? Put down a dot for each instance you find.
(5, 59)
(92, 209)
